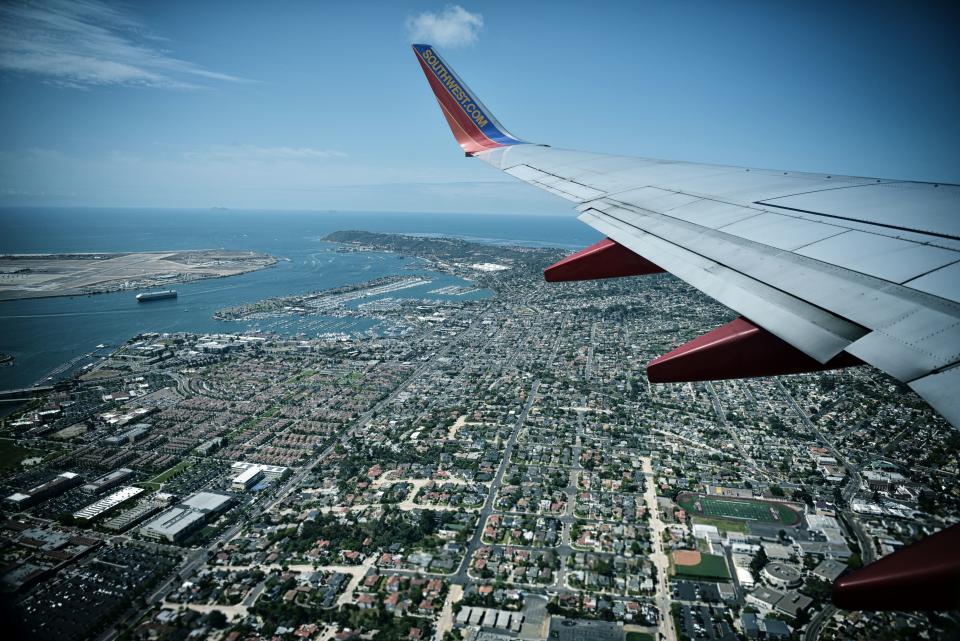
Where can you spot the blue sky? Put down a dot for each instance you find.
(320, 105)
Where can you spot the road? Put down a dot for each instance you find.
(718, 407)
(487, 509)
(658, 556)
(737, 588)
(867, 552)
(856, 481)
(588, 366)
(445, 622)
(813, 629)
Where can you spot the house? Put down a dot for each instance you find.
(775, 629)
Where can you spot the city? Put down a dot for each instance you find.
(494, 468)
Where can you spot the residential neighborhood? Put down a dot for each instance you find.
(501, 470)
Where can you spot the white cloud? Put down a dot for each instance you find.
(85, 43)
(257, 154)
(452, 27)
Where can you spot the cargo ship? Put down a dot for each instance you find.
(148, 296)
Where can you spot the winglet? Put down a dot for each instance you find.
(472, 124)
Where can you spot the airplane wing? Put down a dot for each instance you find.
(825, 270)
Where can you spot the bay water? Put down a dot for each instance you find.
(52, 337)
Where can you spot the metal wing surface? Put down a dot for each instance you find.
(827, 263)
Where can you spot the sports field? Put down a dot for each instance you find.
(724, 525)
(708, 566)
(744, 509)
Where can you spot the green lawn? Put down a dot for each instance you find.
(724, 525)
(743, 509)
(711, 566)
(11, 454)
(639, 636)
(168, 474)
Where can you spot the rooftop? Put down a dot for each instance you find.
(207, 501)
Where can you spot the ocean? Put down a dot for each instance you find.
(51, 337)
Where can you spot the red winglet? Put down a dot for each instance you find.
(738, 349)
(471, 122)
(921, 576)
(605, 259)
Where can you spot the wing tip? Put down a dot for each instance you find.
(472, 124)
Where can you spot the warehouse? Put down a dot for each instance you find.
(108, 503)
(247, 479)
(191, 514)
(57, 485)
(108, 481)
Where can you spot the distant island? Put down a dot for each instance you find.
(45, 275)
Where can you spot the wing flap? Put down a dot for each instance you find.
(917, 329)
(940, 390)
(782, 232)
(817, 333)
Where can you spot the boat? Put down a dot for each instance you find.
(148, 296)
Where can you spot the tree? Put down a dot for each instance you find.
(217, 619)
(758, 561)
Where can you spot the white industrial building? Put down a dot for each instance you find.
(247, 479)
(272, 472)
(189, 515)
(108, 503)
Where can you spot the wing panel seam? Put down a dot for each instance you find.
(812, 263)
(744, 275)
(862, 222)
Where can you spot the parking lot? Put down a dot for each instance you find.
(87, 597)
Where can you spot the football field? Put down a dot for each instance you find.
(743, 509)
